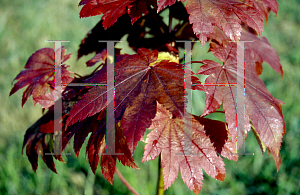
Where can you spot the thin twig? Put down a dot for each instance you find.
(126, 183)
(170, 21)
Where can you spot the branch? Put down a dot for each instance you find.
(126, 183)
(160, 183)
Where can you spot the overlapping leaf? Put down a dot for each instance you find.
(39, 75)
(39, 137)
(37, 142)
(261, 107)
(264, 6)
(139, 81)
(260, 47)
(168, 137)
(217, 131)
(97, 148)
(112, 10)
(35, 137)
(137, 118)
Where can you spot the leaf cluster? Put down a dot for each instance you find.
(150, 91)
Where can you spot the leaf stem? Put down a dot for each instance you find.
(160, 183)
(126, 182)
(170, 21)
(194, 62)
(219, 111)
(78, 75)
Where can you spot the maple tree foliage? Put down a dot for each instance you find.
(149, 88)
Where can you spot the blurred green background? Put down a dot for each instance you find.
(24, 27)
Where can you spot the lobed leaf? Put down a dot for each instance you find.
(97, 148)
(139, 81)
(169, 137)
(261, 107)
(112, 10)
(39, 75)
(264, 6)
(225, 14)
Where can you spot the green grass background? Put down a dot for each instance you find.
(24, 27)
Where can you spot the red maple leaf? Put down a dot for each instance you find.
(112, 10)
(264, 6)
(168, 138)
(260, 46)
(97, 148)
(164, 3)
(225, 14)
(39, 76)
(40, 143)
(261, 107)
(218, 135)
(39, 139)
(139, 81)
